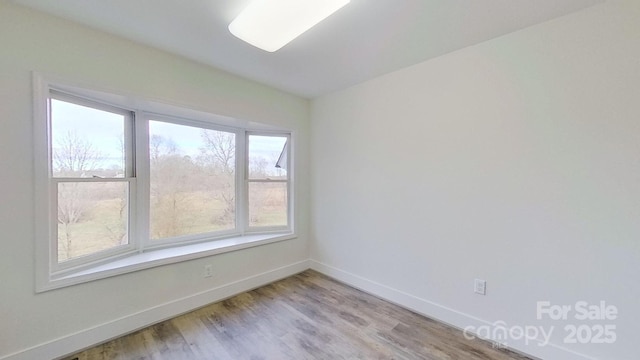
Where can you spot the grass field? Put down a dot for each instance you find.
(103, 226)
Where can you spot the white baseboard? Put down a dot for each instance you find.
(113, 329)
(70, 344)
(441, 313)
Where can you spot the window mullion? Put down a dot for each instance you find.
(140, 217)
(242, 165)
(129, 145)
(268, 180)
(290, 175)
(53, 225)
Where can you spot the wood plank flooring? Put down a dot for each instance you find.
(306, 316)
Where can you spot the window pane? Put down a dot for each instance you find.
(92, 217)
(267, 204)
(192, 180)
(86, 142)
(267, 157)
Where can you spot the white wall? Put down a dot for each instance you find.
(33, 41)
(516, 161)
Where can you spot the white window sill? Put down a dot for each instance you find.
(153, 258)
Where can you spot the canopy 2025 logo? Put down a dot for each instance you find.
(588, 323)
(583, 311)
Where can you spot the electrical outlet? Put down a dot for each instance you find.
(208, 271)
(480, 287)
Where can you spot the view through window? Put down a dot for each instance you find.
(89, 167)
(192, 180)
(113, 195)
(268, 185)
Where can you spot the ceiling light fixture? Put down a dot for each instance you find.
(271, 24)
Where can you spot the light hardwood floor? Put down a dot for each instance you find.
(306, 316)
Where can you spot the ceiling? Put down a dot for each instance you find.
(363, 40)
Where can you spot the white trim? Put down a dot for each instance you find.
(42, 187)
(268, 180)
(242, 197)
(439, 312)
(196, 123)
(140, 226)
(75, 99)
(291, 166)
(75, 342)
(148, 259)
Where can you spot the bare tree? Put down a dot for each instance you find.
(71, 208)
(72, 156)
(220, 149)
(258, 167)
(160, 146)
(172, 182)
(116, 228)
(218, 155)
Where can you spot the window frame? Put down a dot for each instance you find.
(141, 252)
(58, 267)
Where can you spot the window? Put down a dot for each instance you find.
(192, 182)
(92, 173)
(268, 186)
(118, 183)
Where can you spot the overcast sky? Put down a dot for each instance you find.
(104, 130)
